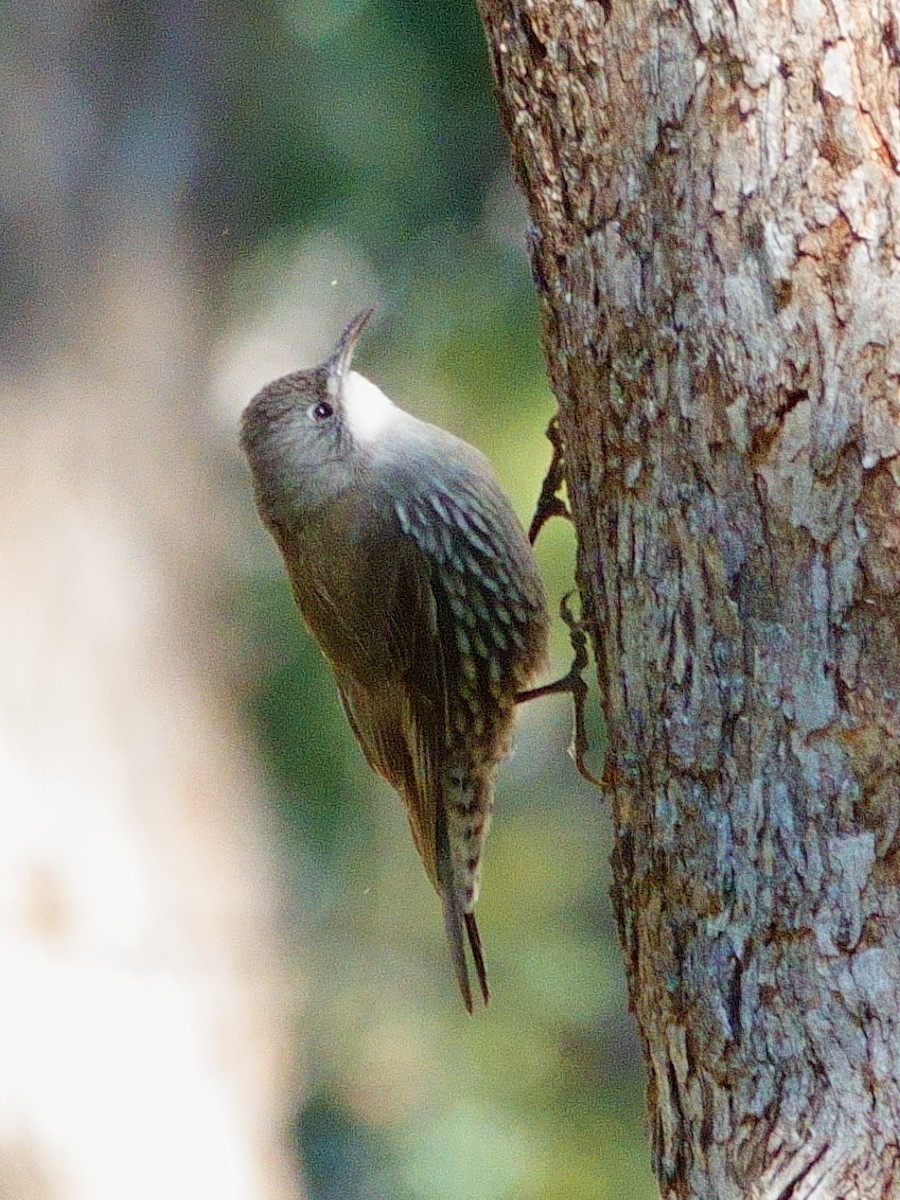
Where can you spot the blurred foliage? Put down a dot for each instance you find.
(374, 117)
(374, 121)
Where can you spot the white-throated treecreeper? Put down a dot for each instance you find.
(413, 574)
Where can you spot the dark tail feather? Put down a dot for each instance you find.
(453, 925)
(475, 943)
(452, 915)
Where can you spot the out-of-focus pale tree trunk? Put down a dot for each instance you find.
(715, 202)
(146, 1047)
(144, 1039)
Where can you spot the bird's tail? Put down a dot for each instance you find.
(455, 919)
(477, 956)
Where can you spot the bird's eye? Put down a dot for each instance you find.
(322, 411)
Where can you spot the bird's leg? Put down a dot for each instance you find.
(574, 685)
(550, 503)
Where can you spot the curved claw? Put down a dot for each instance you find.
(550, 504)
(572, 683)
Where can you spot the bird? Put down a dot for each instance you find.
(412, 573)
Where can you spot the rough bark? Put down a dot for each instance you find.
(715, 204)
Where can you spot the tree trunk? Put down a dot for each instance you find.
(715, 205)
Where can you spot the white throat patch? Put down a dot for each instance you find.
(367, 410)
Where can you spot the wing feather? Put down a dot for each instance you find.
(399, 714)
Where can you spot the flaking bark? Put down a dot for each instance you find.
(714, 198)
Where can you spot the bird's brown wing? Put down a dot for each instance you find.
(397, 705)
(400, 721)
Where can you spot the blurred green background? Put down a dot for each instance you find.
(319, 155)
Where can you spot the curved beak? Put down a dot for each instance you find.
(341, 356)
